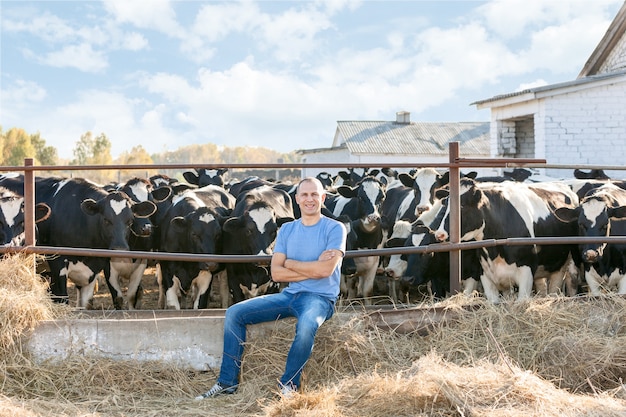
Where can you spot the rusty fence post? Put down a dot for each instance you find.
(455, 218)
(29, 202)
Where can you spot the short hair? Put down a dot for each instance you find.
(313, 180)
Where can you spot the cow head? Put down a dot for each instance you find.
(424, 183)
(12, 218)
(116, 213)
(203, 177)
(472, 201)
(594, 215)
(201, 230)
(368, 194)
(252, 233)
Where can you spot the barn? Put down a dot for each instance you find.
(385, 143)
(563, 123)
(575, 122)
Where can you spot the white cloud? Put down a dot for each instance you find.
(214, 22)
(81, 56)
(154, 14)
(21, 93)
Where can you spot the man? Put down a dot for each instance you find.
(307, 256)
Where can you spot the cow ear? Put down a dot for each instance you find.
(282, 220)
(617, 212)
(89, 206)
(42, 212)
(346, 191)
(373, 172)
(179, 222)
(144, 209)
(191, 177)
(161, 194)
(566, 214)
(445, 178)
(441, 193)
(471, 174)
(232, 224)
(406, 179)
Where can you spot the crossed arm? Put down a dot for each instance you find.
(290, 270)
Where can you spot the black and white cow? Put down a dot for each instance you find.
(204, 177)
(251, 230)
(84, 215)
(193, 224)
(508, 210)
(12, 217)
(246, 184)
(142, 238)
(362, 203)
(602, 212)
(424, 182)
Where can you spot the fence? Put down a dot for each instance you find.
(454, 246)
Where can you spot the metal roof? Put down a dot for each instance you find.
(415, 138)
(536, 90)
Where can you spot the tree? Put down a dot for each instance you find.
(137, 156)
(17, 146)
(92, 151)
(46, 155)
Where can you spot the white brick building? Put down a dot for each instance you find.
(581, 122)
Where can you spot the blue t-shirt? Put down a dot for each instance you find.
(306, 243)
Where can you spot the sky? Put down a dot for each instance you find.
(276, 74)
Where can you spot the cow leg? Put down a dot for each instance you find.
(159, 277)
(134, 292)
(367, 273)
(541, 286)
(469, 286)
(173, 294)
(224, 292)
(85, 297)
(489, 287)
(593, 281)
(524, 283)
(115, 288)
(200, 289)
(621, 285)
(393, 289)
(58, 280)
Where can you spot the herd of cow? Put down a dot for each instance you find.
(380, 208)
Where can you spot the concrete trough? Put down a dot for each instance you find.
(184, 338)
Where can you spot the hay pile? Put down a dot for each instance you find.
(543, 357)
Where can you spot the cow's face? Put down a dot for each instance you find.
(11, 221)
(252, 233)
(116, 213)
(369, 195)
(425, 182)
(202, 232)
(204, 177)
(472, 202)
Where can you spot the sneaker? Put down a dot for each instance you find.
(216, 390)
(288, 391)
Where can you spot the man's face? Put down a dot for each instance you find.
(310, 198)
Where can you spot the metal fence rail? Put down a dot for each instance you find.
(454, 246)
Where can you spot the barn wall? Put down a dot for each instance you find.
(616, 59)
(587, 127)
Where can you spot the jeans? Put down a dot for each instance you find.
(311, 310)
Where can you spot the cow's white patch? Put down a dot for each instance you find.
(372, 191)
(416, 239)
(592, 209)
(118, 206)
(424, 180)
(140, 190)
(60, 185)
(11, 208)
(207, 218)
(404, 205)
(340, 204)
(477, 234)
(261, 218)
(78, 273)
(396, 266)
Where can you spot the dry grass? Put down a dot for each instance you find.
(544, 357)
